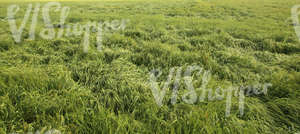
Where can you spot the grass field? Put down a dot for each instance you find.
(53, 84)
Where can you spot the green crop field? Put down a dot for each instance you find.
(53, 82)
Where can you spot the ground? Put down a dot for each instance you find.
(54, 84)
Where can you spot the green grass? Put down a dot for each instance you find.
(48, 84)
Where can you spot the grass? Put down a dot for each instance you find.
(48, 84)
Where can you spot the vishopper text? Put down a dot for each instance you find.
(295, 19)
(191, 96)
(49, 32)
(52, 131)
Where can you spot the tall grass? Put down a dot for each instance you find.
(48, 84)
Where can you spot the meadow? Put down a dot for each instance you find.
(54, 84)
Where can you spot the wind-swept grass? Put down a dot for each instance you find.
(48, 84)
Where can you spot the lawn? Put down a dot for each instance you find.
(60, 83)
